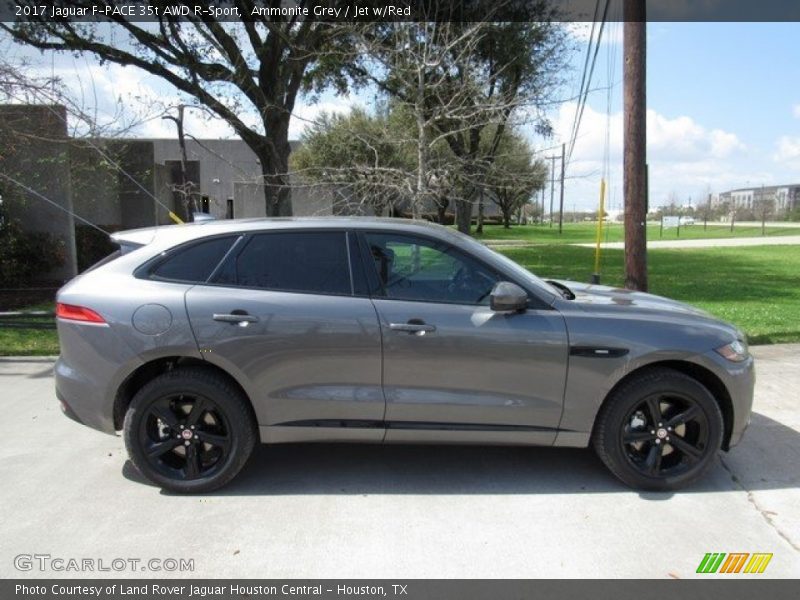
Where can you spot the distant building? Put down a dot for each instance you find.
(785, 197)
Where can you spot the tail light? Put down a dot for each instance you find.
(70, 312)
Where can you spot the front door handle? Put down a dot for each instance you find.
(415, 326)
(241, 318)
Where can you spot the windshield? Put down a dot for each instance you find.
(515, 268)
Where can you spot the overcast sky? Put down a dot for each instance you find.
(723, 108)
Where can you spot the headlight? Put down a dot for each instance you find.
(735, 351)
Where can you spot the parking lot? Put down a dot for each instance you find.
(395, 512)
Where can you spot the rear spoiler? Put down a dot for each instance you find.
(134, 238)
(131, 239)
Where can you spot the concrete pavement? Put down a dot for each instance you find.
(778, 240)
(399, 512)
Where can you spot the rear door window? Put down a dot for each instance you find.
(314, 262)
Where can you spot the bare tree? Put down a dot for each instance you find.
(463, 82)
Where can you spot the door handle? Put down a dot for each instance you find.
(234, 317)
(415, 326)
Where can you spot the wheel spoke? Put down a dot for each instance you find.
(165, 414)
(192, 461)
(637, 435)
(689, 451)
(199, 408)
(654, 407)
(161, 448)
(653, 460)
(219, 441)
(683, 417)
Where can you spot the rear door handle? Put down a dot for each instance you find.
(241, 319)
(414, 326)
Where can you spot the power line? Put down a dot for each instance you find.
(573, 129)
(56, 204)
(582, 101)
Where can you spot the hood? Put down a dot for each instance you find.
(591, 296)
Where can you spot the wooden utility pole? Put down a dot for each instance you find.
(635, 141)
(561, 202)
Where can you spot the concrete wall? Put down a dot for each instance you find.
(36, 153)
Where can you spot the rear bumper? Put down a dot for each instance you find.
(82, 399)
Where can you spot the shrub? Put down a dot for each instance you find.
(92, 245)
(26, 255)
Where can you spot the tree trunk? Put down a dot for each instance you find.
(507, 219)
(441, 208)
(463, 215)
(274, 157)
(479, 228)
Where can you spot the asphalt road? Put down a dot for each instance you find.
(393, 512)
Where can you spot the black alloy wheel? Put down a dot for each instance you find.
(185, 436)
(659, 430)
(190, 430)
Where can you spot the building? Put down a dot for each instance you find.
(782, 198)
(126, 183)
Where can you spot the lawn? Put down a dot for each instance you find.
(580, 233)
(30, 342)
(755, 287)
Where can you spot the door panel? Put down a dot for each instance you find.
(310, 361)
(453, 369)
(285, 320)
(481, 375)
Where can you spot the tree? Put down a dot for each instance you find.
(462, 82)
(248, 73)
(514, 176)
(366, 160)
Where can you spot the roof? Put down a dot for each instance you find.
(173, 234)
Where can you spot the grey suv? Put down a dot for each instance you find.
(200, 340)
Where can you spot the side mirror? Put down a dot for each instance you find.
(508, 297)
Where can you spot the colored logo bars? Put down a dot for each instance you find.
(735, 562)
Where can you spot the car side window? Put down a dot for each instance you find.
(415, 268)
(193, 262)
(310, 262)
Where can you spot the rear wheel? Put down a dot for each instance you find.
(659, 430)
(189, 430)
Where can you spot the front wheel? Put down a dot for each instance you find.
(189, 430)
(659, 430)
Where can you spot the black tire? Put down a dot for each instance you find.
(660, 453)
(189, 430)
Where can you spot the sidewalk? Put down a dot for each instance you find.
(780, 240)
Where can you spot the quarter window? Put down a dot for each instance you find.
(310, 262)
(194, 263)
(413, 268)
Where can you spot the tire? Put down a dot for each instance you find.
(189, 430)
(660, 430)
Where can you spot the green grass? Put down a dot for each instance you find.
(581, 233)
(30, 342)
(755, 287)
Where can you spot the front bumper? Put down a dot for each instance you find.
(739, 379)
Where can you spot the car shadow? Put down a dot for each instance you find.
(766, 459)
